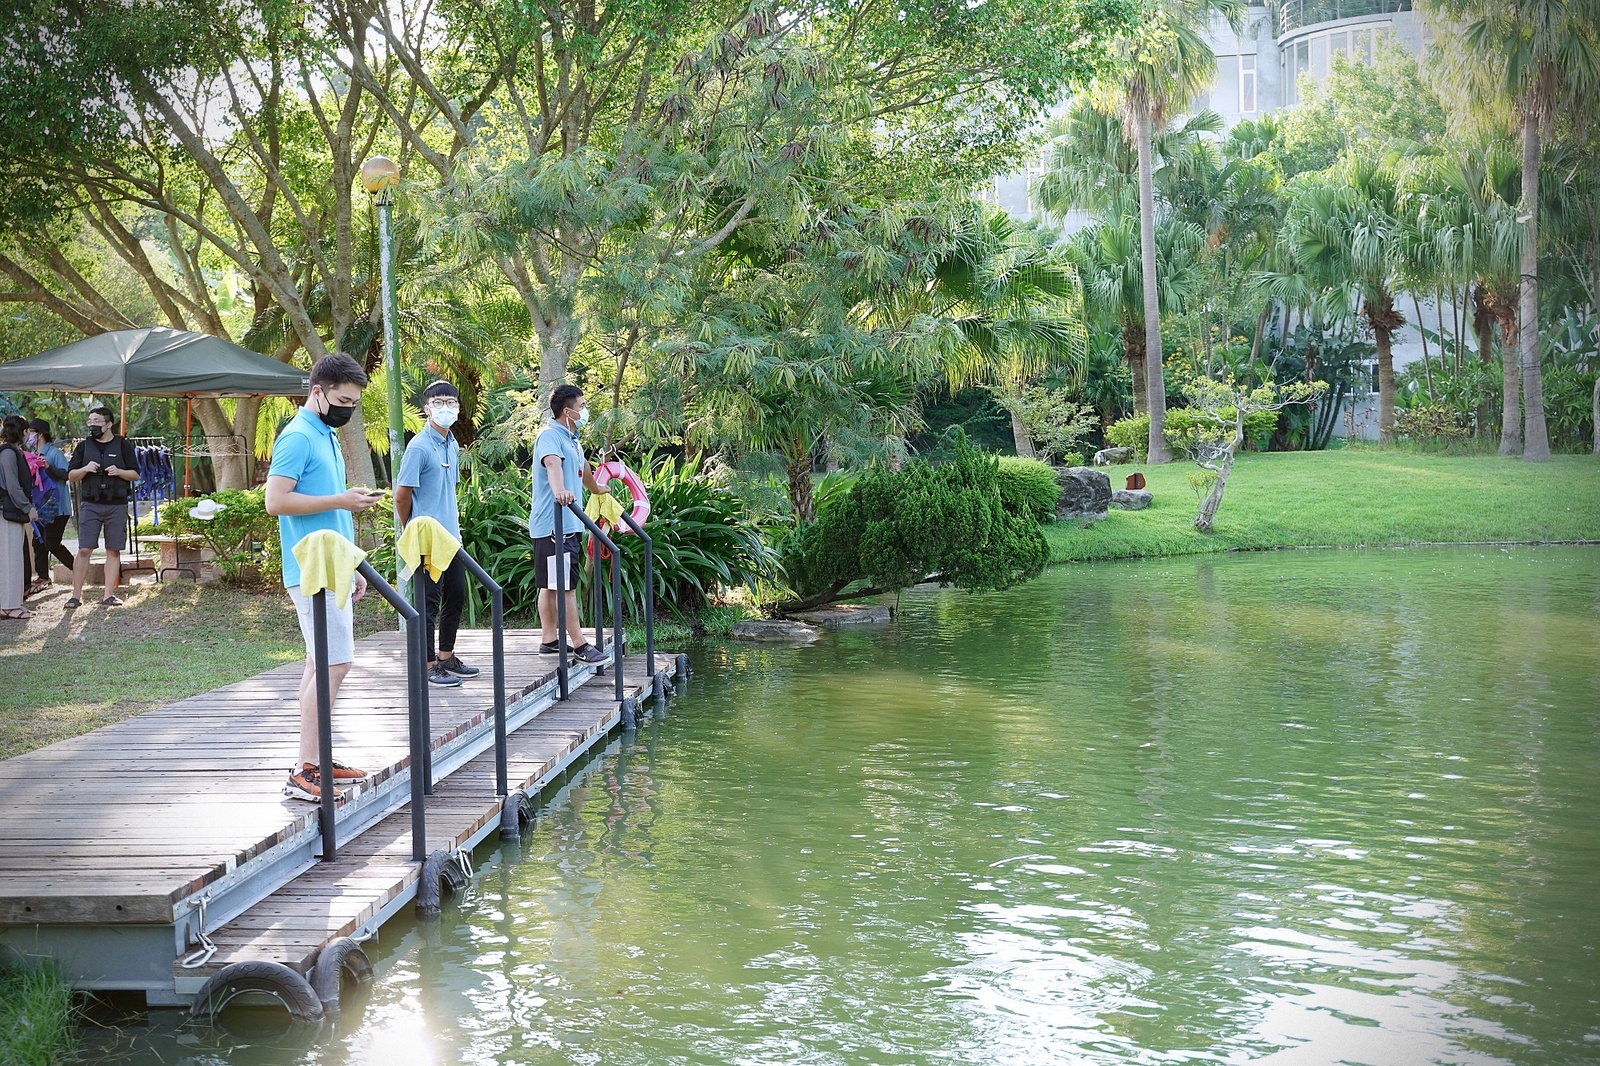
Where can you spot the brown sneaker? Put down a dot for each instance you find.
(305, 784)
(341, 772)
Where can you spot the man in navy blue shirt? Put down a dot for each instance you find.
(429, 474)
(560, 474)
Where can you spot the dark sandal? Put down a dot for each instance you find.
(17, 614)
(72, 602)
(111, 601)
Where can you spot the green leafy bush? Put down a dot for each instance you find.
(898, 527)
(1054, 421)
(1028, 487)
(1433, 425)
(1182, 425)
(243, 538)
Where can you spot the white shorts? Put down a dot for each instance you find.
(341, 627)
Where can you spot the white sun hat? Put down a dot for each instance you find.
(206, 510)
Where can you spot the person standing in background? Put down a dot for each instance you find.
(426, 487)
(104, 468)
(16, 511)
(47, 542)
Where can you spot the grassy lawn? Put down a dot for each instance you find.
(68, 672)
(1357, 497)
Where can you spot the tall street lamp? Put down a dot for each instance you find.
(380, 175)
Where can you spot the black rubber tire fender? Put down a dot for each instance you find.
(514, 814)
(439, 872)
(258, 975)
(338, 959)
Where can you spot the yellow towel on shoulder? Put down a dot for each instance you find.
(604, 507)
(425, 538)
(328, 561)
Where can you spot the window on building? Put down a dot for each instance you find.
(1361, 46)
(1225, 99)
(1339, 44)
(1247, 84)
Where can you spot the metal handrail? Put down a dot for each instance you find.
(497, 626)
(1296, 15)
(416, 656)
(649, 592)
(599, 622)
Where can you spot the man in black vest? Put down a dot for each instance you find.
(104, 470)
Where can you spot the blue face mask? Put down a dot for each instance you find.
(583, 418)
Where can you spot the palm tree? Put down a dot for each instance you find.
(1344, 232)
(1461, 209)
(1157, 81)
(1574, 225)
(1017, 305)
(1108, 258)
(1094, 167)
(1534, 60)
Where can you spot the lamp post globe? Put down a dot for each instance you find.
(380, 174)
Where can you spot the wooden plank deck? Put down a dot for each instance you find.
(374, 874)
(131, 825)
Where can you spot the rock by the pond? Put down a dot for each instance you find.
(775, 631)
(1108, 456)
(1131, 499)
(845, 614)
(1085, 494)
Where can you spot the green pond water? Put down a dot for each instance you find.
(1304, 808)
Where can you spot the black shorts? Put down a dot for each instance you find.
(544, 554)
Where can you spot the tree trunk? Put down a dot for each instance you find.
(1510, 380)
(1483, 327)
(230, 470)
(1133, 352)
(1213, 500)
(358, 468)
(1155, 380)
(1596, 414)
(1536, 439)
(1019, 434)
(1385, 342)
(801, 501)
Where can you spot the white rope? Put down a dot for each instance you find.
(201, 956)
(464, 861)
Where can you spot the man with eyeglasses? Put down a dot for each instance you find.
(426, 485)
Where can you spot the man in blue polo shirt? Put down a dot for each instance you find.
(426, 486)
(560, 474)
(307, 491)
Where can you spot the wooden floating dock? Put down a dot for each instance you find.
(129, 850)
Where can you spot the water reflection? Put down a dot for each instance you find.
(1299, 808)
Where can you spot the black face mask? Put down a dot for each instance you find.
(337, 416)
(99, 431)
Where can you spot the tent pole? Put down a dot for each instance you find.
(188, 432)
(124, 429)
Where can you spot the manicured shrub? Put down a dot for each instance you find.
(898, 527)
(1182, 425)
(1433, 426)
(1028, 487)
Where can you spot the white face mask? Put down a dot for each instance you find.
(445, 417)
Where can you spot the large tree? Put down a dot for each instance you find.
(1344, 232)
(197, 139)
(578, 142)
(1167, 64)
(1526, 63)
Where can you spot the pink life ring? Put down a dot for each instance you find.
(615, 468)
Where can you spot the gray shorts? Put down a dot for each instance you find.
(93, 518)
(341, 627)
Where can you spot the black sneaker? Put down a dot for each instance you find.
(455, 666)
(438, 675)
(551, 648)
(590, 654)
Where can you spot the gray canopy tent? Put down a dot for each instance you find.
(155, 362)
